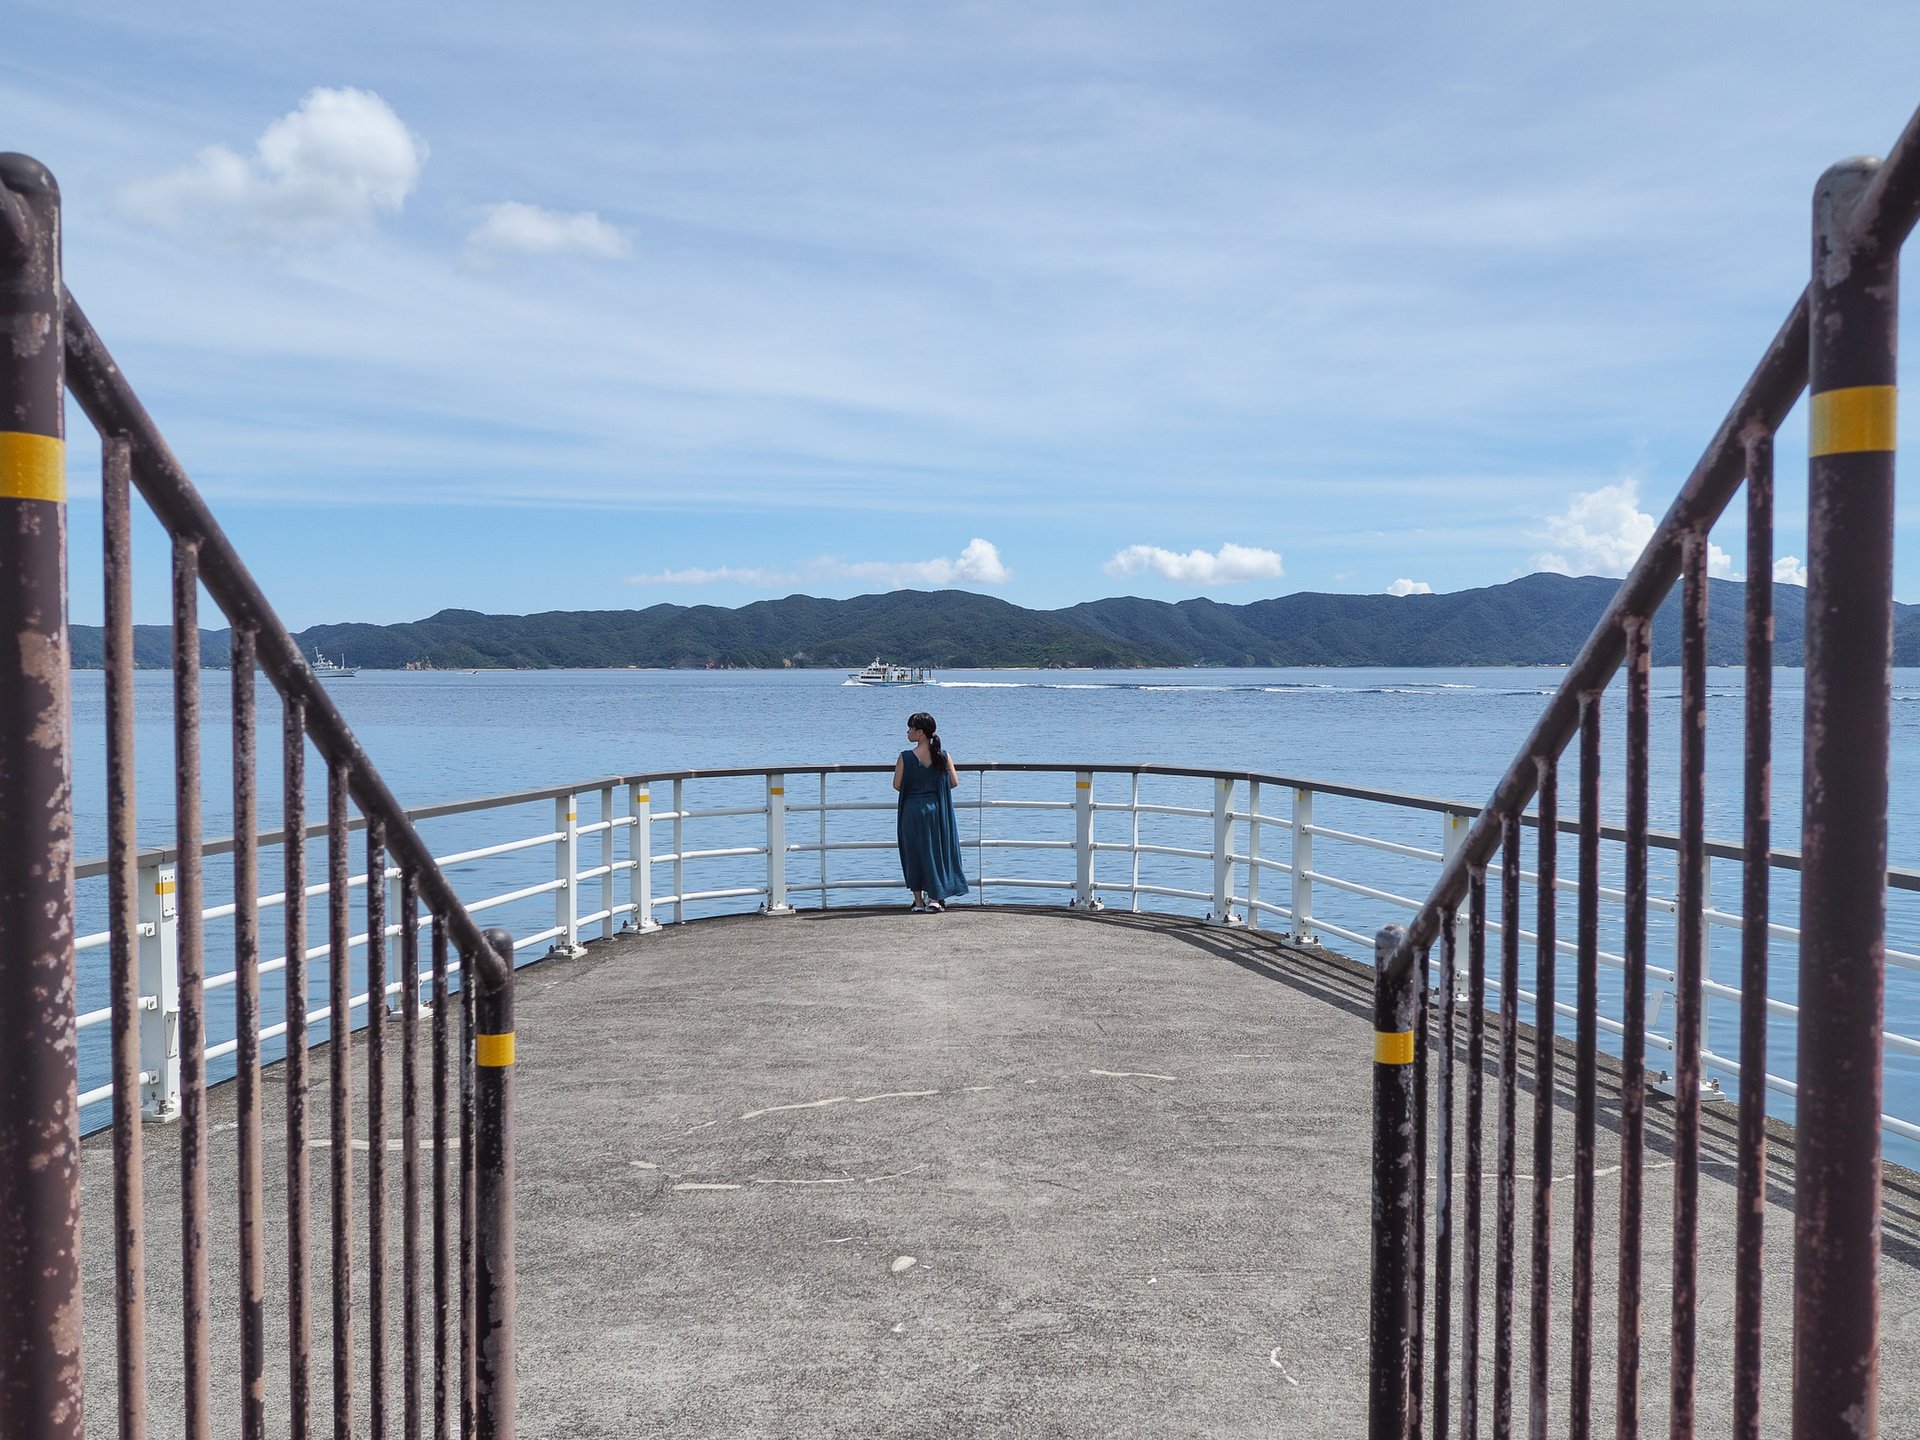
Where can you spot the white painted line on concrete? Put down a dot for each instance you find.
(1132, 1075)
(893, 1095)
(694, 1185)
(802, 1105)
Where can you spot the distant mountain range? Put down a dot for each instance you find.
(1538, 620)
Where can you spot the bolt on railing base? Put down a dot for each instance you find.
(638, 927)
(561, 950)
(1087, 905)
(778, 910)
(1227, 920)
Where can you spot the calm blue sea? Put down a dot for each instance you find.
(442, 737)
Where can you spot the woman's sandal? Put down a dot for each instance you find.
(934, 907)
(916, 908)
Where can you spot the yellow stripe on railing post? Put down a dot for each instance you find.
(1391, 1317)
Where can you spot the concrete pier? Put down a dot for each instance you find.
(990, 1173)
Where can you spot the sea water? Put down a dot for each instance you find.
(442, 737)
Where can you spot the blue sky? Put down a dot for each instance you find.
(597, 305)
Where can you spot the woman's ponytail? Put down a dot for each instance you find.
(923, 722)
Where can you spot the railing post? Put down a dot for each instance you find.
(1253, 854)
(1853, 318)
(823, 842)
(777, 847)
(1222, 911)
(1455, 825)
(607, 927)
(493, 1288)
(40, 1390)
(640, 850)
(1133, 883)
(159, 991)
(1391, 1318)
(1302, 863)
(1083, 897)
(566, 869)
(679, 849)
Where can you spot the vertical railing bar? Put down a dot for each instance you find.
(1476, 1062)
(246, 1019)
(467, 980)
(1689, 966)
(1751, 1205)
(1391, 1396)
(1443, 1200)
(293, 763)
(196, 1377)
(376, 1126)
(442, 1302)
(1505, 1198)
(1633, 1045)
(1585, 1069)
(340, 1097)
(1544, 1066)
(1133, 877)
(123, 902)
(42, 1280)
(1853, 323)
(1417, 1320)
(410, 1149)
(495, 1392)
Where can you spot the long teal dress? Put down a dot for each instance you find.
(929, 835)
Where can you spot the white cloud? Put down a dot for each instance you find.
(1199, 567)
(1603, 532)
(515, 228)
(326, 169)
(978, 564)
(1788, 570)
(1409, 587)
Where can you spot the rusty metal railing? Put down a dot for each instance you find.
(1837, 342)
(51, 349)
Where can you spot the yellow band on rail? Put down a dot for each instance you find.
(1393, 1047)
(493, 1051)
(1850, 421)
(32, 467)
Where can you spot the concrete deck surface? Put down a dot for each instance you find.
(991, 1173)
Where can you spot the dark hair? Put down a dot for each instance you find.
(923, 722)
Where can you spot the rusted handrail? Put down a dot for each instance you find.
(1888, 211)
(109, 401)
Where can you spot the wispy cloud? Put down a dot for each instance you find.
(1409, 587)
(1788, 570)
(516, 228)
(326, 169)
(1228, 565)
(978, 564)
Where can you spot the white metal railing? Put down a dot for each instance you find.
(1222, 857)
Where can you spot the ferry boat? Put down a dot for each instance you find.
(881, 673)
(332, 669)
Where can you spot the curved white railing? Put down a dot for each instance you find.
(1229, 848)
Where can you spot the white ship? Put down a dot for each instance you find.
(332, 669)
(881, 673)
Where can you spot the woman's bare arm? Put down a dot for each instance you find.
(953, 774)
(899, 765)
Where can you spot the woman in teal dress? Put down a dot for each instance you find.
(929, 836)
